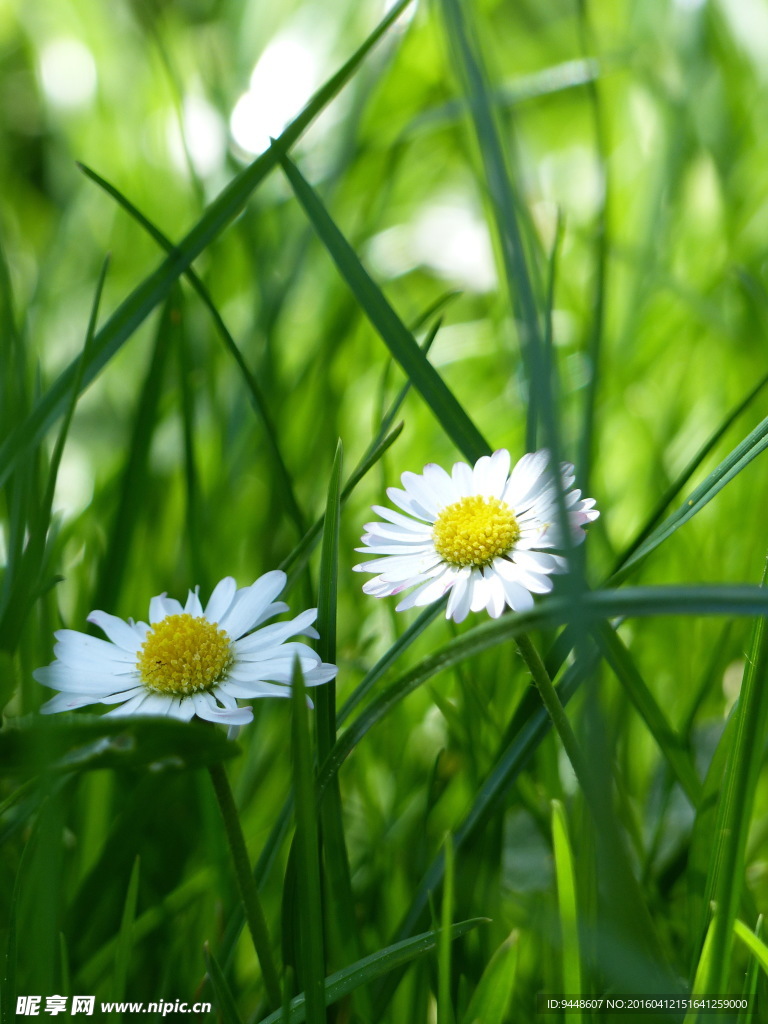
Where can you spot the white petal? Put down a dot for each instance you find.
(228, 716)
(428, 592)
(526, 477)
(460, 597)
(275, 608)
(462, 478)
(65, 702)
(118, 631)
(92, 646)
(409, 504)
(418, 488)
(155, 704)
(220, 600)
(268, 636)
(193, 606)
(489, 476)
(421, 548)
(481, 591)
(398, 518)
(441, 485)
(64, 677)
(251, 602)
(496, 599)
(392, 531)
(162, 606)
(517, 597)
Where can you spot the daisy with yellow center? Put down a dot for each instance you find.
(188, 660)
(481, 533)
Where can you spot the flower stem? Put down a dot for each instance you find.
(246, 883)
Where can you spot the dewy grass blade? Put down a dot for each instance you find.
(401, 343)
(307, 856)
(753, 942)
(567, 903)
(155, 288)
(735, 809)
(343, 982)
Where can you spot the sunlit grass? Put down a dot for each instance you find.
(511, 225)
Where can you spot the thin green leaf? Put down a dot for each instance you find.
(222, 994)
(672, 746)
(257, 397)
(567, 902)
(125, 938)
(504, 203)
(493, 994)
(156, 287)
(307, 856)
(342, 982)
(80, 742)
(444, 1007)
(753, 445)
(727, 870)
(401, 343)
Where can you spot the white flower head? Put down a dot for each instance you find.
(482, 533)
(188, 660)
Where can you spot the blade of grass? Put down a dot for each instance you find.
(225, 1001)
(753, 445)
(257, 398)
(504, 203)
(393, 332)
(753, 942)
(444, 1006)
(342, 982)
(307, 856)
(125, 938)
(673, 747)
(131, 501)
(567, 903)
(727, 870)
(752, 978)
(491, 998)
(336, 859)
(676, 487)
(155, 288)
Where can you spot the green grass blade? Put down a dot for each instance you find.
(222, 994)
(444, 1005)
(490, 1000)
(567, 903)
(131, 503)
(325, 696)
(343, 982)
(726, 880)
(753, 445)
(156, 287)
(673, 747)
(677, 485)
(125, 938)
(753, 942)
(307, 857)
(401, 343)
(607, 604)
(251, 383)
(504, 202)
(752, 977)
(703, 971)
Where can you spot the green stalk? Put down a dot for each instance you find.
(249, 894)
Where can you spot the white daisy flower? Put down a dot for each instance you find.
(188, 660)
(482, 533)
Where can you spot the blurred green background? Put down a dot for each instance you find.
(635, 128)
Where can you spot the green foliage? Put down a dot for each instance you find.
(468, 226)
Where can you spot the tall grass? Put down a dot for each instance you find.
(495, 225)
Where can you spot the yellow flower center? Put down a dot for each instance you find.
(474, 531)
(183, 655)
